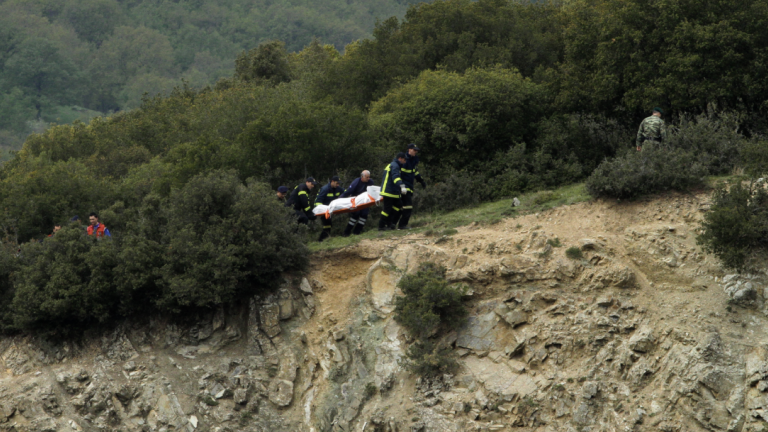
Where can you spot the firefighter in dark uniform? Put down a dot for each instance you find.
(282, 194)
(358, 218)
(328, 193)
(299, 199)
(392, 188)
(409, 173)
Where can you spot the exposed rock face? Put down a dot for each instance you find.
(281, 392)
(642, 334)
(500, 379)
(270, 319)
(743, 290)
(642, 341)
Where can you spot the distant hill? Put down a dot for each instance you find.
(64, 60)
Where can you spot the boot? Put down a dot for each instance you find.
(404, 219)
(348, 228)
(383, 225)
(359, 227)
(324, 235)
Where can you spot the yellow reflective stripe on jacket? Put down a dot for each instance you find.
(405, 170)
(303, 192)
(386, 181)
(307, 209)
(386, 178)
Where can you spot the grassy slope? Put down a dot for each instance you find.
(435, 224)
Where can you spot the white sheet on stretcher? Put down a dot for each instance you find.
(372, 194)
(320, 209)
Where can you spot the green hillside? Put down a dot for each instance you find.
(66, 60)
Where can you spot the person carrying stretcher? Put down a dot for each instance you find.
(328, 193)
(392, 188)
(299, 199)
(357, 219)
(409, 173)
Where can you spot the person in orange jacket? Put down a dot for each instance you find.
(98, 228)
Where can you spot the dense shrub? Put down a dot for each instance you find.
(66, 282)
(8, 265)
(38, 193)
(656, 168)
(737, 224)
(574, 252)
(462, 120)
(455, 35)
(428, 358)
(224, 239)
(567, 148)
(210, 242)
(754, 158)
(456, 191)
(706, 144)
(428, 302)
(634, 54)
(428, 306)
(517, 170)
(585, 139)
(510, 173)
(713, 138)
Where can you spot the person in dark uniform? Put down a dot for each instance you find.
(358, 218)
(392, 188)
(409, 173)
(328, 193)
(282, 194)
(299, 199)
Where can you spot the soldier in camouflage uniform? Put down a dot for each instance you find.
(652, 129)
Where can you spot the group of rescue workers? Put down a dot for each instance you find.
(397, 187)
(396, 190)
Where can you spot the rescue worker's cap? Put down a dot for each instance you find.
(75, 218)
(282, 189)
(335, 178)
(400, 155)
(658, 110)
(413, 146)
(312, 180)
